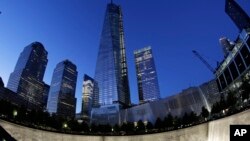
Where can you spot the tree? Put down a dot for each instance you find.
(130, 127)
(140, 126)
(185, 119)
(93, 128)
(45, 117)
(40, 117)
(22, 114)
(204, 112)
(231, 99)
(107, 128)
(245, 88)
(168, 121)
(127, 127)
(85, 127)
(189, 118)
(116, 128)
(104, 128)
(222, 104)
(177, 122)
(74, 125)
(124, 127)
(219, 106)
(8, 108)
(192, 117)
(216, 108)
(159, 124)
(149, 126)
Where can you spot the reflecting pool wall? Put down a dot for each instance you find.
(212, 131)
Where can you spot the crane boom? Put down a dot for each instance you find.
(203, 61)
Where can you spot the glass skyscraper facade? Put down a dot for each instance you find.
(27, 77)
(237, 14)
(111, 74)
(87, 94)
(147, 81)
(61, 100)
(235, 66)
(46, 88)
(226, 45)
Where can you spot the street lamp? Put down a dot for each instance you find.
(65, 125)
(15, 113)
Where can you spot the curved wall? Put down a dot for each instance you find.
(212, 131)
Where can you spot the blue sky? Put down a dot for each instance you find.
(71, 29)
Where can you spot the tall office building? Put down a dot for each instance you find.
(226, 45)
(147, 81)
(237, 14)
(46, 88)
(236, 66)
(27, 78)
(111, 74)
(87, 94)
(61, 100)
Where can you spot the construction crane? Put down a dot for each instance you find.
(203, 61)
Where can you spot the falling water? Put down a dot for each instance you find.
(205, 99)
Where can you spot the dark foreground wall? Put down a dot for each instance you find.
(212, 131)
